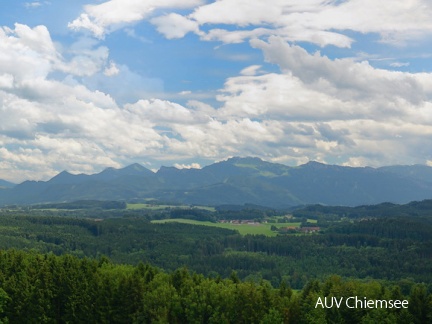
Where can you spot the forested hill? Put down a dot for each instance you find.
(413, 209)
(235, 181)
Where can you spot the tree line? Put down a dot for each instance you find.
(44, 288)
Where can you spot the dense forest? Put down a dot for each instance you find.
(394, 249)
(103, 263)
(44, 288)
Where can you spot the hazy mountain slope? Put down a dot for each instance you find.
(336, 185)
(416, 172)
(235, 181)
(6, 184)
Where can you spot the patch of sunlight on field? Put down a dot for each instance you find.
(150, 206)
(243, 229)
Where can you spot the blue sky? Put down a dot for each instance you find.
(86, 85)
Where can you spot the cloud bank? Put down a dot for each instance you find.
(75, 108)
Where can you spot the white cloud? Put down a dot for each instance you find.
(316, 21)
(33, 46)
(314, 108)
(345, 78)
(250, 70)
(328, 110)
(187, 166)
(87, 62)
(175, 25)
(276, 96)
(264, 18)
(399, 64)
(100, 19)
(84, 22)
(52, 125)
(6, 81)
(32, 4)
(239, 12)
(29, 54)
(321, 22)
(162, 112)
(111, 70)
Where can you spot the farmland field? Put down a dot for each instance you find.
(150, 206)
(243, 229)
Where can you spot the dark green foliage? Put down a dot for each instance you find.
(195, 214)
(84, 204)
(392, 249)
(331, 213)
(37, 288)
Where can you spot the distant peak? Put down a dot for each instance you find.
(248, 159)
(135, 168)
(67, 177)
(167, 170)
(109, 169)
(314, 163)
(63, 174)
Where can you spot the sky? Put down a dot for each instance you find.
(86, 85)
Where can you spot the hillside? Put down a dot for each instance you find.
(6, 184)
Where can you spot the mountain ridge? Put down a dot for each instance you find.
(238, 180)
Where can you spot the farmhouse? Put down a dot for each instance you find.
(308, 230)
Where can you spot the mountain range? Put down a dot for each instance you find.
(234, 181)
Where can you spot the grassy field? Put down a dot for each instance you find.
(159, 207)
(243, 229)
(151, 206)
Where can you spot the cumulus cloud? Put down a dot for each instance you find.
(59, 122)
(111, 70)
(175, 25)
(314, 107)
(321, 22)
(331, 110)
(100, 19)
(317, 21)
(345, 78)
(162, 112)
(35, 48)
(250, 70)
(30, 53)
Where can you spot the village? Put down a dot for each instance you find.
(280, 229)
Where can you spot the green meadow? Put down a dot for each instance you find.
(243, 229)
(150, 206)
